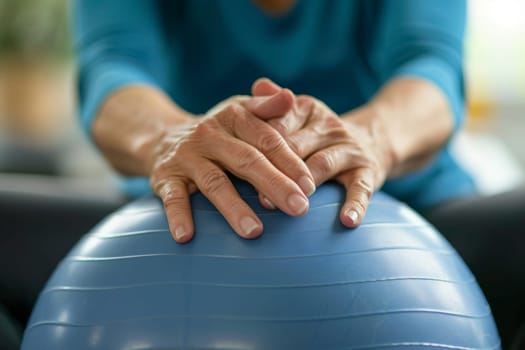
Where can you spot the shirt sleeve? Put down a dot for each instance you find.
(118, 43)
(424, 39)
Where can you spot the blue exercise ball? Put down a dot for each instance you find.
(306, 283)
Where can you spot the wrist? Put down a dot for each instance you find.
(131, 125)
(372, 121)
(416, 119)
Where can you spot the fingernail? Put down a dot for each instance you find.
(248, 225)
(268, 203)
(180, 233)
(297, 203)
(307, 185)
(352, 215)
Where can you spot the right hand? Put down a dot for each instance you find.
(230, 138)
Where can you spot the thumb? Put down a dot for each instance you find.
(272, 106)
(265, 87)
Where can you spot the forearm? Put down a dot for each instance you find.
(129, 125)
(414, 119)
(121, 59)
(420, 55)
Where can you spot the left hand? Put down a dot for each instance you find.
(352, 149)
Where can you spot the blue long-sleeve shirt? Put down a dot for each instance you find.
(340, 51)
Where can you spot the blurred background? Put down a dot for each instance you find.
(44, 154)
(39, 134)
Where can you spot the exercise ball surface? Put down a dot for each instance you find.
(307, 283)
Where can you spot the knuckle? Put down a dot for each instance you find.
(324, 162)
(163, 172)
(185, 148)
(363, 189)
(248, 158)
(230, 115)
(276, 181)
(172, 191)
(339, 134)
(333, 121)
(277, 186)
(157, 184)
(232, 109)
(280, 125)
(174, 198)
(306, 104)
(296, 146)
(334, 127)
(212, 181)
(170, 163)
(205, 128)
(270, 143)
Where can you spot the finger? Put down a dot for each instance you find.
(175, 197)
(334, 160)
(359, 185)
(295, 119)
(248, 163)
(217, 187)
(273, 148)
(264, 87)
(272, 106)
(319, 132)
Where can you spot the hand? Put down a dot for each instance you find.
(352, 149)
(230, 138)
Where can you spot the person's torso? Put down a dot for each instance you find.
(218, 48)
(320, 48)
